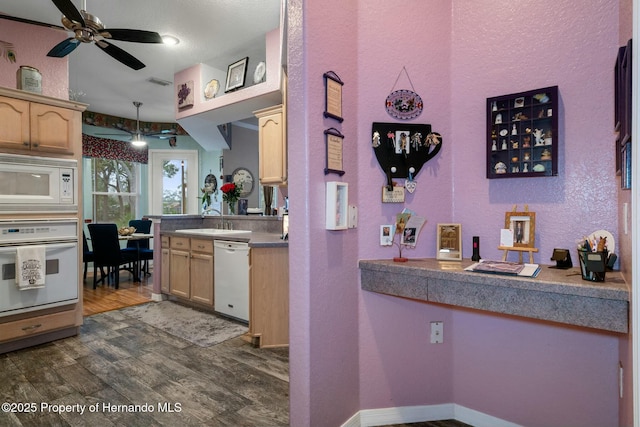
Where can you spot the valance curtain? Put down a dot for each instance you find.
(113, 149)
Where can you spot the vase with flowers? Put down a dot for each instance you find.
(230, 194)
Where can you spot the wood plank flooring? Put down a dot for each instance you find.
(107, 298)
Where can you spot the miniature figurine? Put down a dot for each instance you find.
(493, 146)
(376, 139)
(525, 168)
(500, 168)
(538, 135)
(498, 118)
(546, 155)
(504, 144)
(514, 131)
(514, 144)
(548, 140)
(526, 142)
(494, 106)
(527, 156)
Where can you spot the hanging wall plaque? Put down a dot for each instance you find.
(333, 96)
(333, 139)
(404, 104)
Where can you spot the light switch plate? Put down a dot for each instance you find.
(352, 219)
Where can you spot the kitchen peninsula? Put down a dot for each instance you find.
(186, 263)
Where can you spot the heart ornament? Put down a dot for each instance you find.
(410, 186)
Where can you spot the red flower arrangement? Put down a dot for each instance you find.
(231, 194)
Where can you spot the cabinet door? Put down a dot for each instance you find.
(202, 278)
(272, 148)
(54, 129)
(165, 260)
(179, 273)
(14, 123)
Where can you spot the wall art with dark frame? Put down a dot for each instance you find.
(622, 118)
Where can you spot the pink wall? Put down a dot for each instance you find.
(457, 54)
(31, 43)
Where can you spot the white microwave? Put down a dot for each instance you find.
(38, 184)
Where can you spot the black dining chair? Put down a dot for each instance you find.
(145, 252)
(107, 254)
(87, 255)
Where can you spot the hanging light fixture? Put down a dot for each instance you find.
(137, 140)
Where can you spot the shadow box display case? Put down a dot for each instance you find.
(522, 134)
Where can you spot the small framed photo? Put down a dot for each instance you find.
(523, 227)
(387, 232)
(236, 75)
(184, 95)
(449, 242)
(409, 235)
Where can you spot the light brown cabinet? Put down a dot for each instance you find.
(165, 262)
(191, 269)
(39, 127)
(269, 297)
(272, 142)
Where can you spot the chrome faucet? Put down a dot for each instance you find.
(227, 226)
(209, 210)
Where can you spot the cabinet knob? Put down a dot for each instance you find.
(25, 143)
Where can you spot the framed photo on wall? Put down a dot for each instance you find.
(236, 75)
(449, 242)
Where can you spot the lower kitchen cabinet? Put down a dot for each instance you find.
(165, 262)
(269, 297)
(191, 269)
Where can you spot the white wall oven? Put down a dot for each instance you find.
(38, 184)
(57, 241)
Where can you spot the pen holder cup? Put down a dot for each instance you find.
(593, 265)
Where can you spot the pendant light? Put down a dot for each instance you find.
(137, 140)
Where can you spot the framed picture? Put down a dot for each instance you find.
(236, 75)
(449, 242)
(333, 96)
(333, 139)
(184, 95)
(523, 227)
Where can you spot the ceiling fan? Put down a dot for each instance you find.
(88, 28)
(138, 135)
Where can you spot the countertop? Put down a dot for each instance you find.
(555, 295)
(255, 239)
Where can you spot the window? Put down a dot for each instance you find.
(115, 190)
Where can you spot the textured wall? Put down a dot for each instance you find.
(31, 44)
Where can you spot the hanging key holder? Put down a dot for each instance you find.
(404, 104)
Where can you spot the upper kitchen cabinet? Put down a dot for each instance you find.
(205, 111)
(272, 142)
(36, 124)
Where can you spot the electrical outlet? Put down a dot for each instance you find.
(437, 330)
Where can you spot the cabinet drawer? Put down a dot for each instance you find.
(202, 245)
(180, 243)
(164, 241)
(37, 325)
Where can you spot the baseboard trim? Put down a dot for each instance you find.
(157, 297)
(413, 414)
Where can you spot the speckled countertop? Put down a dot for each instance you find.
(555, 295)
(255, 239)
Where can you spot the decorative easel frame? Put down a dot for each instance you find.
(523, 226)
(333, 151)
(333, 96)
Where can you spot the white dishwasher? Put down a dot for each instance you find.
(231, 278)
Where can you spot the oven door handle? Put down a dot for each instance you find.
(49, 248)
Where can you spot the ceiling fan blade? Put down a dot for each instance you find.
(29, 21)
(120, 55)
(138, 36)
(64, 48)
(69, 10)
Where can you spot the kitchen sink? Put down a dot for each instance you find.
(212, 231)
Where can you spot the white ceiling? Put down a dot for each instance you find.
(213, 32)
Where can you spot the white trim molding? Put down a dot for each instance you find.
(413, 414)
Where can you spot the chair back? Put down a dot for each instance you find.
(141, 226)
(87, 254)
(106, 246)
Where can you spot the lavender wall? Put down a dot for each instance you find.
(31, 43)
(324, 277)
(457, 54)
